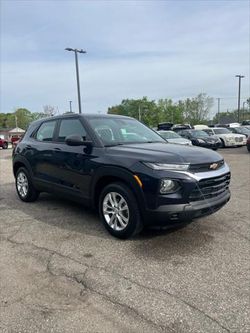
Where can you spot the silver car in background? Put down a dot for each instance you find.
(172, 137)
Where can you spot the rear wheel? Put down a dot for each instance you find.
(5, 145)
(25, 189)
(119, 211)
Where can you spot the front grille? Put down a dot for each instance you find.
(204, 167)
(210, 188)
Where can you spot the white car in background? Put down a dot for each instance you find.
(228, 139)
(172, 137)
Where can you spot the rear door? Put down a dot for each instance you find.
(39, 152)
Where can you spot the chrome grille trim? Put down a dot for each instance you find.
(210, 188)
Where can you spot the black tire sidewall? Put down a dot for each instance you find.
(134, 225)
(5, 145)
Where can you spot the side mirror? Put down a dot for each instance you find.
(76, 140)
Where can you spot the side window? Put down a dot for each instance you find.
(45, 132)
(71, 127)
(184, 134)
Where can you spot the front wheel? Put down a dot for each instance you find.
(5, 145)
(223, 143)
(119, 211)
(24, 186)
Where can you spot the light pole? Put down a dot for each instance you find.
(77, 74)
(240, 77)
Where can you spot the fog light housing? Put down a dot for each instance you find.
(168, 186)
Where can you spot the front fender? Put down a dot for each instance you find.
(123, 175)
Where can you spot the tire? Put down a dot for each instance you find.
(223, 143)
(119, 211)
(24, 187)
(5, 145)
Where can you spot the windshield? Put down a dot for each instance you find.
(114, 131)
(169, 135)
(199, 134)
(242, 130)
(221, 131)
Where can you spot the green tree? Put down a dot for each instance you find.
(196, 110)
(143, 109)
(23, 117)
(170, 112)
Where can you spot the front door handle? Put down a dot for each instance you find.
(57, 149)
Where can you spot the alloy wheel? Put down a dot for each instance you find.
(22, 184)
(115, 211)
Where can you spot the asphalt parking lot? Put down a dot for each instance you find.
(60, 271)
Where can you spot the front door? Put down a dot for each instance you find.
(72, 164)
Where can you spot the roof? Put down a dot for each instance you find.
(87, 115)
(17, 130)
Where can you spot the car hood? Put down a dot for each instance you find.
(179, 141)
(163, 153)
(231, 135)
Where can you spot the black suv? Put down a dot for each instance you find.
(121, 167)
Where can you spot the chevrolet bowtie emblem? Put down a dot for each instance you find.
(213, 166)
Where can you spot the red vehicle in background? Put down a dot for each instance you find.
(15, 138)
(3, 142)
(248, 143)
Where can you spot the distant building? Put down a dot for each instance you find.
(9, 133)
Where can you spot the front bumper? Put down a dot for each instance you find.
(233, 143)
(210, 145)
(174, 215)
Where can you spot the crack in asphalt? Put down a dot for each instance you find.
(110, 298)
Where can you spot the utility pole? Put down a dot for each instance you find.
(218, 110)
(240, 77)
(139, 113)
(77, 74)
(243, 109)
(70, 106)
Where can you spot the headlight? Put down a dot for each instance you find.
(164, 166)
(200, 140)
(168, 185)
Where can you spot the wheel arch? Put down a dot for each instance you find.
(105, 177)
(21, 162)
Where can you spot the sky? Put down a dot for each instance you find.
(159, 49)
